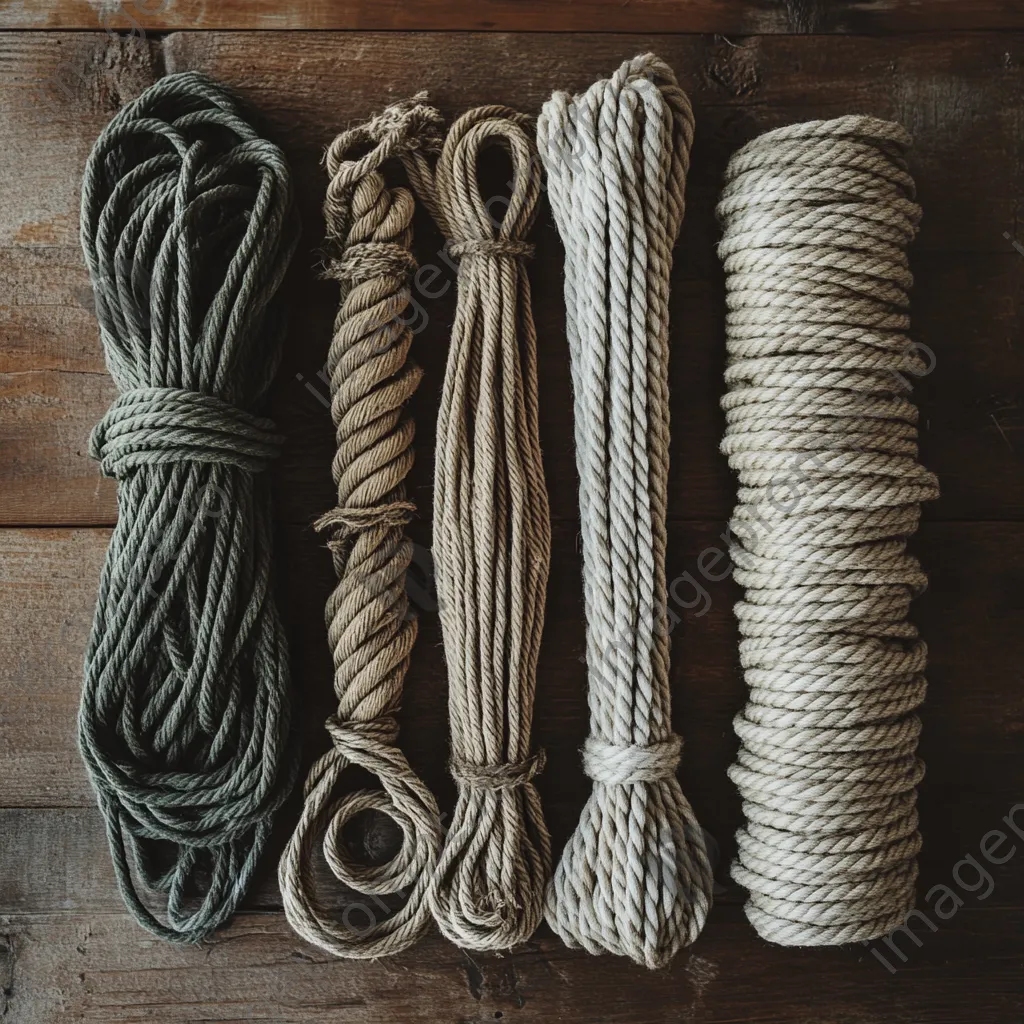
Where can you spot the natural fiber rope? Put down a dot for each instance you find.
(634, 878)
(188, 225)
(492, 539)
(370, 626)
(817, 218)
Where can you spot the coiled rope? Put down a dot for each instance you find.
(370, 627)
(817, 218)
(492, 540)
(188, 226)
(634, 878)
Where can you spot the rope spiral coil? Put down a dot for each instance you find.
(492, 540)
(634, 878)
(817, 218)
(371, 629)
(188, 225)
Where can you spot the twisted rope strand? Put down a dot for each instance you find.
(188, 226)
(370, 627)
(492, 540)
(634, 878)
(816, 221)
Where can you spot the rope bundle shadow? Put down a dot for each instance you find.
(370, 627)
(188, 225)
(634, 878)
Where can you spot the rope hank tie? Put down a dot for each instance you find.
(615, 765)
(344, 523)
(370, 626)
(149, 426)
(817, 218)
(188, 226)
(498, 776)
(634, 878)
(492, 541)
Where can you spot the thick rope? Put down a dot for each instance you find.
(492, 540)
(370, 626)
(634, 878)
(188, 225)
(817, 218)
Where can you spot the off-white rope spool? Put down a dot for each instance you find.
(634, 878)
(370, 628)
(492, 539)
(817, 218)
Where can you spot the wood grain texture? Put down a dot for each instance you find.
(98, 969)
(959, 95)
(67, 951)
(742, 16)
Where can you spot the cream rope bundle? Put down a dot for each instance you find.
(817, 218)
(634, 878)
(492, 539)
(370, 628)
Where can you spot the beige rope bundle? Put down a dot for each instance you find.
(370, 627)
(492, 539)
(817, 218)
(634, 878)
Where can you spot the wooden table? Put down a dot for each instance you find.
(953, 73)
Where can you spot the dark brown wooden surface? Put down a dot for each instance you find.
(68, 952)
(730, 16)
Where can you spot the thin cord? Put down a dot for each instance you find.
(492, 540)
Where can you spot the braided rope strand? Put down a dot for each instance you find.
(188, 225)
(370, 627)
(492, 541)
(817, 218)
(634, 878)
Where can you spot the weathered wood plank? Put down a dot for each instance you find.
(102, 969)
(56, 861)
(749, 17)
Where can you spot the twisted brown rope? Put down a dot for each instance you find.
(370, 628)
(492, 539)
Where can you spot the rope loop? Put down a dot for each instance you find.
(492, 543)
(408, 126)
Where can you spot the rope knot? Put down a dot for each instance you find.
(352, 736)
(346, 522)
(510, 247)
(613, 764)
(401, 128)
(506, 775)
(154, 426)
(365, 261)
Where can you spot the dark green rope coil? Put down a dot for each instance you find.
(188, 226)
